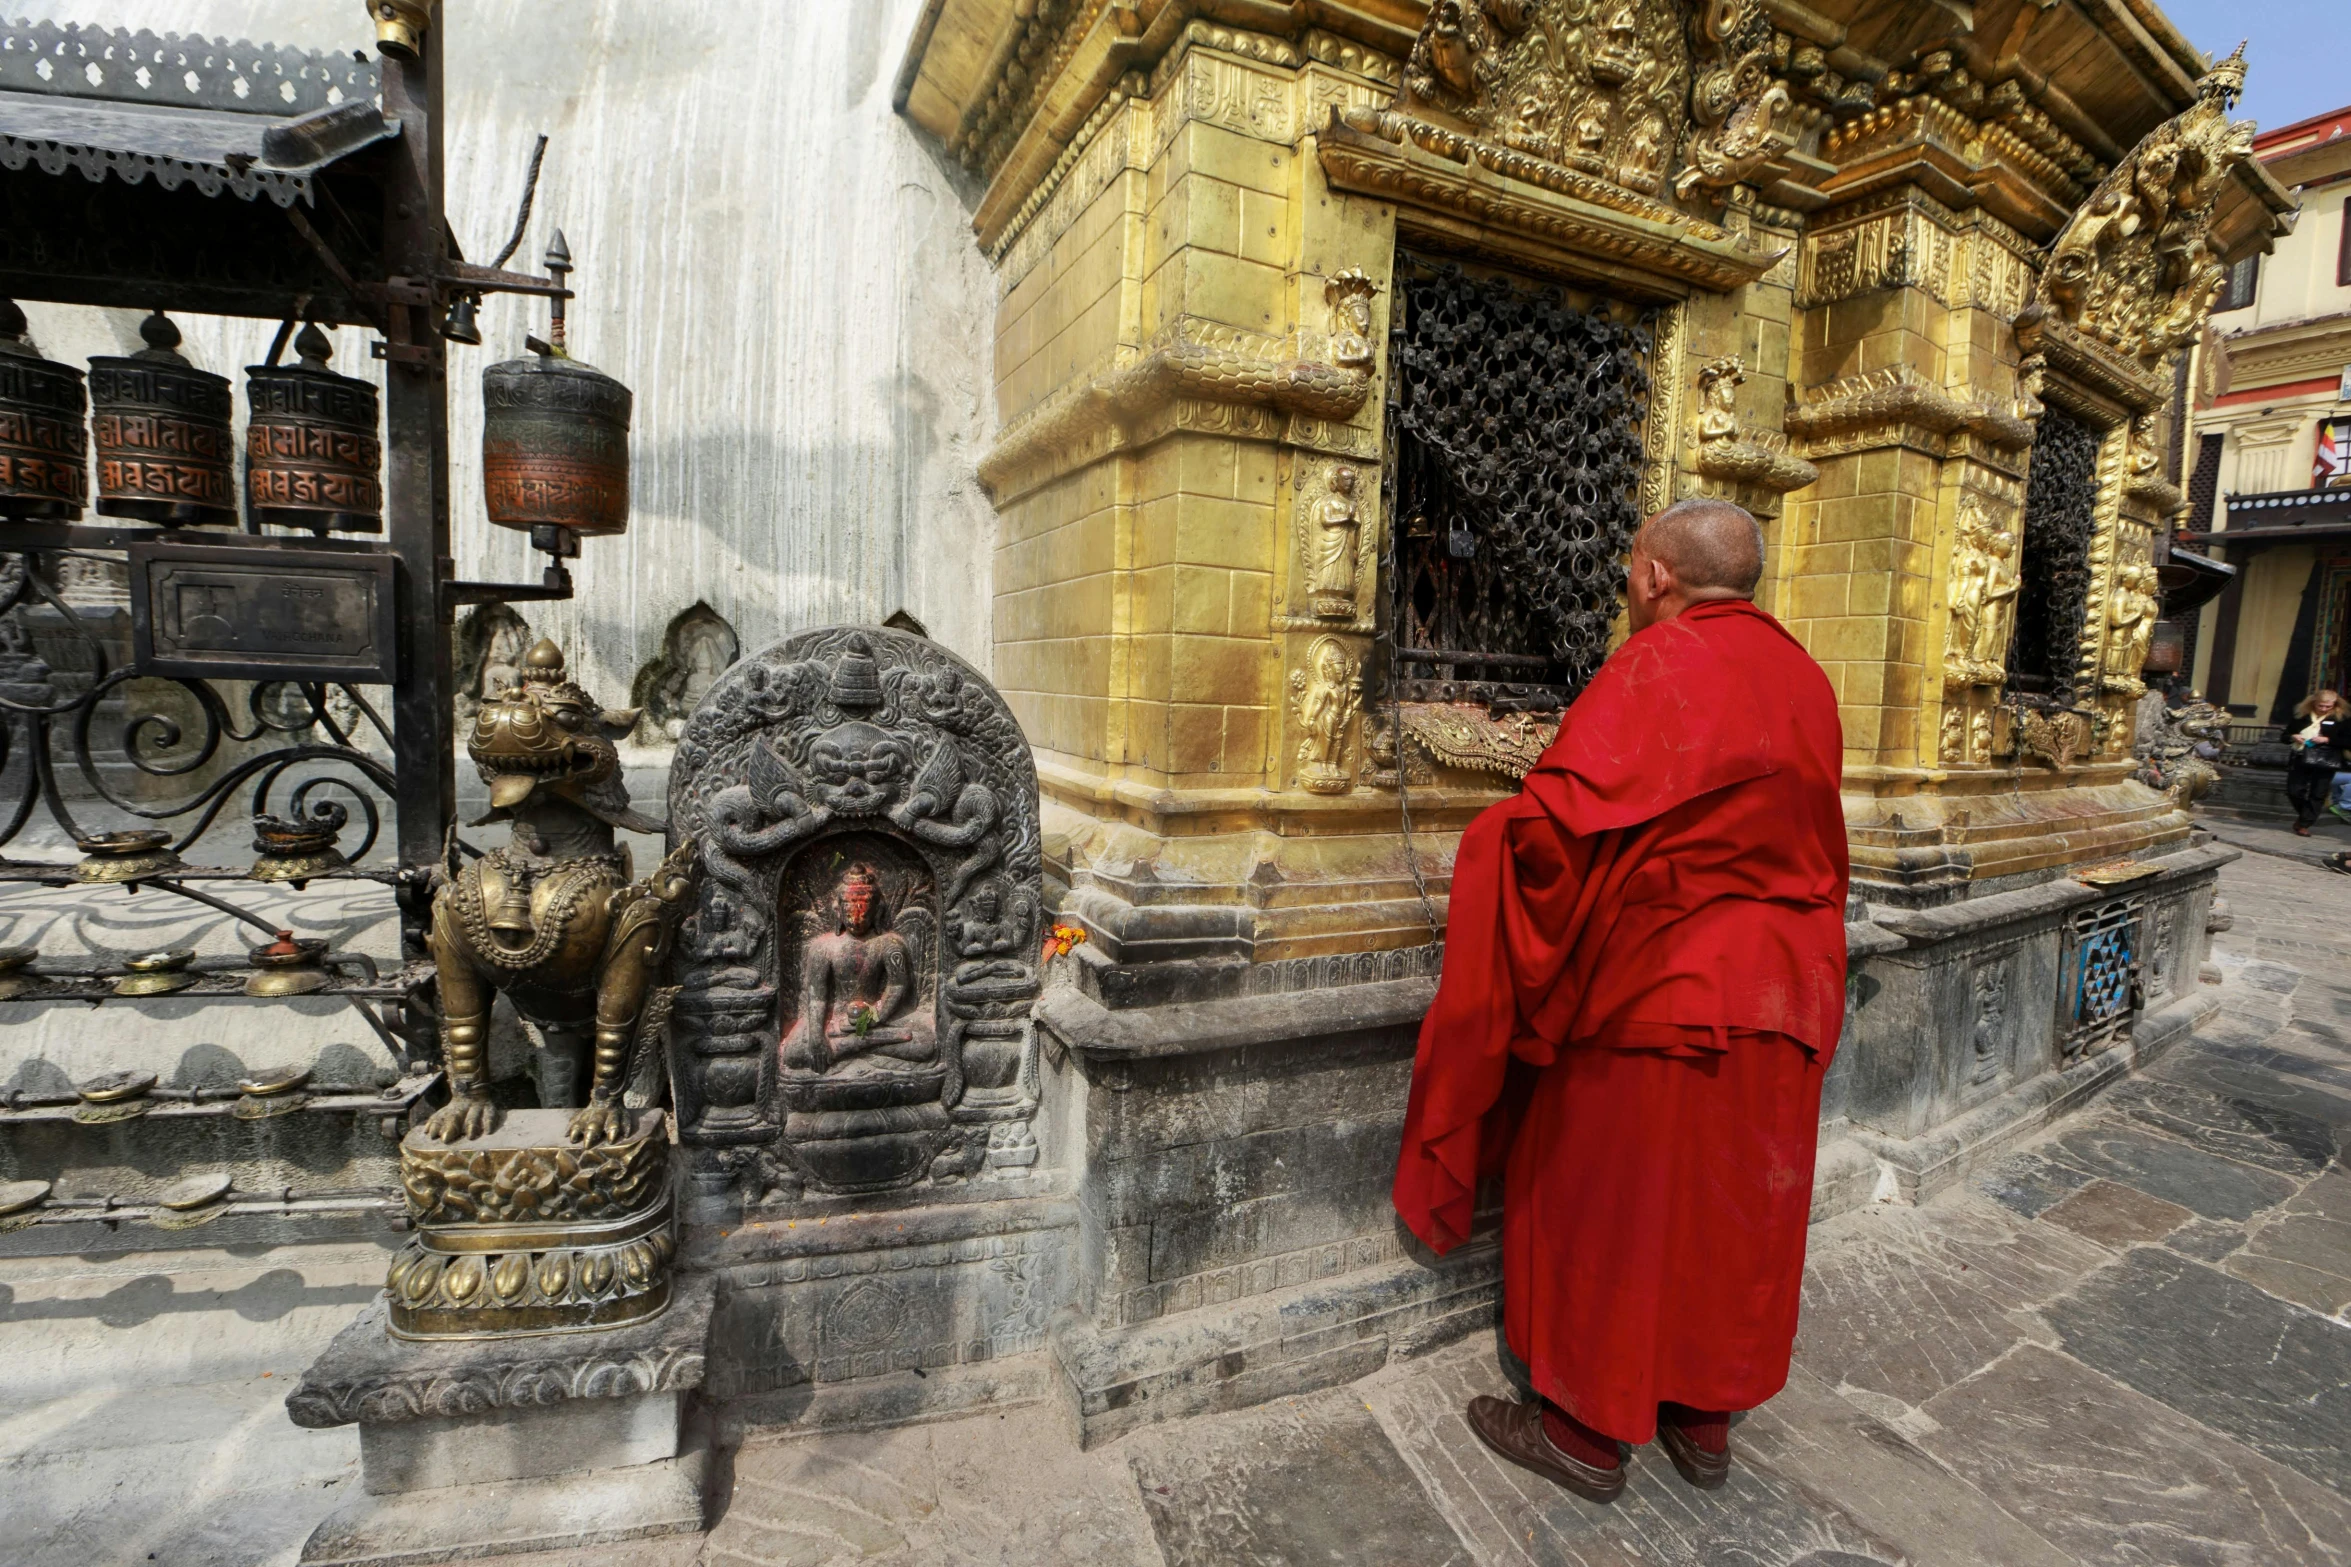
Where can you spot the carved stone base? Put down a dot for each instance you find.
(483, 1446)
(502, 1517)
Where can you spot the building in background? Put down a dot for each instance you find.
(2270, 442)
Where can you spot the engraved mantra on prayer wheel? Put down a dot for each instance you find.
(555, 446)
(44, 449)
(312, 459)
(162, 432)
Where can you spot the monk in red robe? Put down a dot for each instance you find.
(1644, 981)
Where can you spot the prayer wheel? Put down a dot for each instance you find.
(312, 459)
(162, 432)
(555, 446)
(44, 449)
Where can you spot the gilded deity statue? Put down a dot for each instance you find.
(1328, 697)
(1339, 526)
(553, 919)
(1982, 583)
(857, 989)
(2132, 611)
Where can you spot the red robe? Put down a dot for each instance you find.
(1644, 980)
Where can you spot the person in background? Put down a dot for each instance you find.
(2317, 743)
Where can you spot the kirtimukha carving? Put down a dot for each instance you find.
(2135, 269)
(1338, 527)
(859, 967)
(1329, 691)
(1735, 104)
(519, 1232)
(2053, 739)
(1349, 294)
(553, 919)
(1983, 584)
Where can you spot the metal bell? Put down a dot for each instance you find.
(464, 321)
(162, 429)
(44, 449)
(312, 459)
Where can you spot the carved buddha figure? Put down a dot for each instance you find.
(857, 989)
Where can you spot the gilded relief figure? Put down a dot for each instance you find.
(2132, 612)
(1338, 527)
(1349, 295)
(1327, 701)
(1982, 586)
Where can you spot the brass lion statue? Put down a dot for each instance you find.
(554, 919)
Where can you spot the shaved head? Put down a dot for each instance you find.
(1711, 546)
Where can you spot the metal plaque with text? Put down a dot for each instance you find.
(251, 614)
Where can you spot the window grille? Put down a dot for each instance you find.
(1514, 429)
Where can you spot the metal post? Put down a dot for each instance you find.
(416, 475)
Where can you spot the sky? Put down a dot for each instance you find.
(2298, 63)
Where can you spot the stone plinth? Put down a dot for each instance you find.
(481, 1446)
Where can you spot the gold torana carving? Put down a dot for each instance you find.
(1338, 528)
(2135, 269)
(1621, 90)
(1328, 693)
(1982, 597)
(552, 918)
(1457, 735)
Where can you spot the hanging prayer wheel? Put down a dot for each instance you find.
(44, 450)
(312, 459)
(162, 431)
(555, 446)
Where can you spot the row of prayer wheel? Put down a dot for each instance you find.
(554, 440)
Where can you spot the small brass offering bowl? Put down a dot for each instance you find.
(288, 966)
(271, 1091)
(199, 1199)
(157, 974)
(125, 856)
(196, 1191)
(117, 1096)
(296, 848)
(15, 978)
(17, 1196)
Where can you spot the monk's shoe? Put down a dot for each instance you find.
(1707, 1471)
(1516, 1432)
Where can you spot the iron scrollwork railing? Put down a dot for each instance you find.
(279, 719)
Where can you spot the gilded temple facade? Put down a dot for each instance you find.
(982, 961)
(1832, 236)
